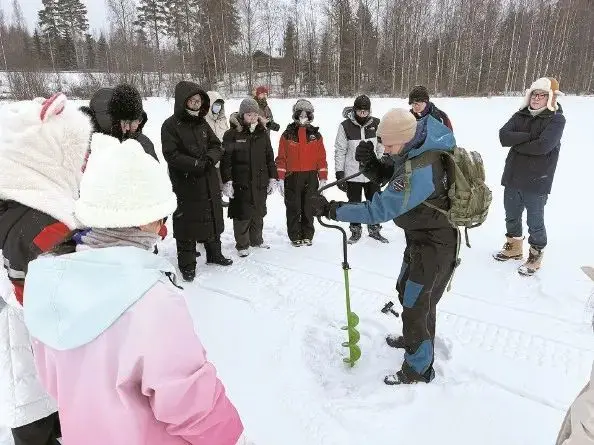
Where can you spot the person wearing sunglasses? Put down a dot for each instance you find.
(534, 134)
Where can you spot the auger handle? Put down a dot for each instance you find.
(345, 262)
(340, 181)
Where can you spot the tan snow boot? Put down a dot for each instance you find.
(531, 266)
(512, 250)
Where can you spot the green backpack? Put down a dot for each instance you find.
(469, 196)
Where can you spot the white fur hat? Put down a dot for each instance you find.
(123, 186)
(42, 147)
(548, 84)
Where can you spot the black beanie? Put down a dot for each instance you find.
(125, 103)
(419, 93)
(362, 103)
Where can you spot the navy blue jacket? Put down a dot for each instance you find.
(426, 183)
(535, 143)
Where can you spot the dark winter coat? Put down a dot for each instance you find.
(249, 163)
(535, 143)
(192, 150)
(438, 114)
(98, 111)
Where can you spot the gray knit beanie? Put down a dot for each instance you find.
(248, 105)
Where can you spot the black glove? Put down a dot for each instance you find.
(365, 152)
(342, 186)
(321, 207)
(273, 126)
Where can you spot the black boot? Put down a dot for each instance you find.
(214, 254)
(395, 341)
(374, 232)
(355, 234)
(188, 274)
(407, 376)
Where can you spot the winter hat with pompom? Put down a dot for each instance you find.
(398, 126)
(42, 148)
(547, 84)
(125, 103)
(122, 186)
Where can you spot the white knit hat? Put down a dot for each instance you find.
(548, 84)
(122, 186)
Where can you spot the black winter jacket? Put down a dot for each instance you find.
(535, 143)
(249, 163)
(192, 150)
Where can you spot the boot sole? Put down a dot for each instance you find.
(504, 259)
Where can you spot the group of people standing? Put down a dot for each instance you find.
(79, 223)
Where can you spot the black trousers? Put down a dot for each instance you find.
(248, 232)
(44, 431)
(354, 190)
(186, 252)
(300, 217)
(426, 270)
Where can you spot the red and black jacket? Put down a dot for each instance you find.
(26, 233)
(301, 149)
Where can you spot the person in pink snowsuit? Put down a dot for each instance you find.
(113, 339)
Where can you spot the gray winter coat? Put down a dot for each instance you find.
(349, 134)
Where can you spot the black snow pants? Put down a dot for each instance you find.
(300, 218)
(44, 431)
(428, 264)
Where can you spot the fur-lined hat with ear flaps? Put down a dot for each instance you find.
(548, 84)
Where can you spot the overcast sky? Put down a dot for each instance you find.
(97, 12)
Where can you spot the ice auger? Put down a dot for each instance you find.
(352, 318)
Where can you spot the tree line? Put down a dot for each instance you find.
(335, 47)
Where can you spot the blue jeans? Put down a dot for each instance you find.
(515, 201)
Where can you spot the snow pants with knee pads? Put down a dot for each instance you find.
(428, 263)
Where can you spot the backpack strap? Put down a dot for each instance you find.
(457, 261)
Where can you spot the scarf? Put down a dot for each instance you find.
(101, 238)
(536, 112)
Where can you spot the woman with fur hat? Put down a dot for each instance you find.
(534, 134)
(114, 341)
(118, 112)
(249, 176)
(192, 151)
(302, 169)
(42, 148)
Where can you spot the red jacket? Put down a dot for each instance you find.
(301, 149)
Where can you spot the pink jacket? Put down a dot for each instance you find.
(141, 378)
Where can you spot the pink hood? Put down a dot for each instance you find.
(141, 379)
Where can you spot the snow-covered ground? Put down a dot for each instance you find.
(512, 352)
